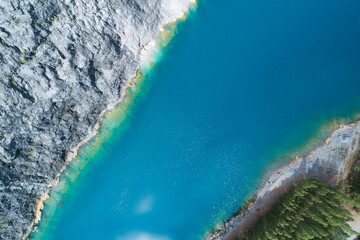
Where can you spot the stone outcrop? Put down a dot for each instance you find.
(329, 164)
(62, 63)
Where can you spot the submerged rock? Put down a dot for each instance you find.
(62, 63)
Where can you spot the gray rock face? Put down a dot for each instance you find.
(61, 64)
(329, 164)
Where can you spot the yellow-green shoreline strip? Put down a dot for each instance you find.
(117, 117)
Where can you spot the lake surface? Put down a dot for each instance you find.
(243, 84)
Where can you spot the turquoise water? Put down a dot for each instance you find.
(244, 83)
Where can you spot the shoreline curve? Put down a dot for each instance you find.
(330, 163)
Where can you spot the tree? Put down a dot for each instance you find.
(309, 211)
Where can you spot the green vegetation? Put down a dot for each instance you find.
(309, 211)
(352, 188)
(54, 18)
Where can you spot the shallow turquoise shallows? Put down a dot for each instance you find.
(243, 84)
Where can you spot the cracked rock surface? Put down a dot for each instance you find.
(61, 64)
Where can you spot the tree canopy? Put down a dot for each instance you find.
(309, 211)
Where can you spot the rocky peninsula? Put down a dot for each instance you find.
(329, 163)
(63, 64)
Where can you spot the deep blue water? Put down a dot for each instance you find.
(242, 83)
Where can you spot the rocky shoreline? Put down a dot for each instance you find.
(63, 65)
(329, 163)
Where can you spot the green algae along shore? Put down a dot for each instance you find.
(209, 125)
(116, 115)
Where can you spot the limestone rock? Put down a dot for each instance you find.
(61, 64)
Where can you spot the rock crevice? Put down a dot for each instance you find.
(62, 63)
